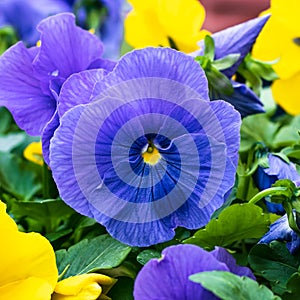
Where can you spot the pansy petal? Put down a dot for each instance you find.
(47, 134)
(78, 88)
(65, 48)
(243, 99)
(25, 15)
(285, 93)
(172, 270)
(281, 231)
(5, 220)
(222, 255)
(20, 91)
(36, 258)
(174, 66)
(236, 40)
(33, 287)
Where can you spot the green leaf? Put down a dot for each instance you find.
(209, 47)
(102, 252)
(235, 223)
(275, 263)
(146, 255)
(18, 177)
(11, 141)
(226, 62)
(48, 214)
(257, 128)
(6, 119)
(219, 81)
(122, 290)
(228, 286)
(293, 288)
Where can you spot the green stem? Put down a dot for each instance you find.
(267, 192)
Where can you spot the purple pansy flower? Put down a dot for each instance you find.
(238, 39)
(24, 15)
(168, 277)
(281, 231)
(30, 79)
(150, 152)
(278, 169)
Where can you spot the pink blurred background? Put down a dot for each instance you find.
(221, 14)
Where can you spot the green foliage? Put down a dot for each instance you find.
(275, 263)
(146, 255)
(228, 286)
(235, 223)
(101, 252)
(18, 177)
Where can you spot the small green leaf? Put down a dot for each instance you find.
(209, 47)
(146, 255)
(293, 288)
(235, 223)
(228, 286)
(275, 263)
(11, 141)
(101, 252)
(226, 62)
(219, 81)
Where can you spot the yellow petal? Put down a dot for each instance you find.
(276, 39)
(27, 268)
(182, 21)
(83, 287)
(6, 222)
(34, 153)
(152, 23)
(31, 288)
(286, 94)
(26, 255)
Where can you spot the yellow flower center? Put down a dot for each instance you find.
(151, 156)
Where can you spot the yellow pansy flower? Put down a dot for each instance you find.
(83, 287)
(280, 39)
(34, 153)
(28, 269)
(164, 22)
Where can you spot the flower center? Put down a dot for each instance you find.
(296, 40)
(150, 154)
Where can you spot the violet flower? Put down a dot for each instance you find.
(278, 169)
(237, 39)
(281, 231)
(30, 79)
(168, 277)
(150, 152)
(24, 15)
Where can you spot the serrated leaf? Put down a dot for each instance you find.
(228, 286)
(235, 223)
(275, 263)
(101, 252)
(146, 255)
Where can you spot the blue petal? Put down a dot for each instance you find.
(237, 39)
(25, 15)
(243, 99)
(20, 90)
(173, 65)
(168, 277)
(65, 49)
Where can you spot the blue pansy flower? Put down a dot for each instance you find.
(281, 231)
(168, 277)
(30, 79)
(278, 169)
(24, 15)
(237, 39)
(150, 152)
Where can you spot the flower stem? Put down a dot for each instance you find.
(267, 192)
